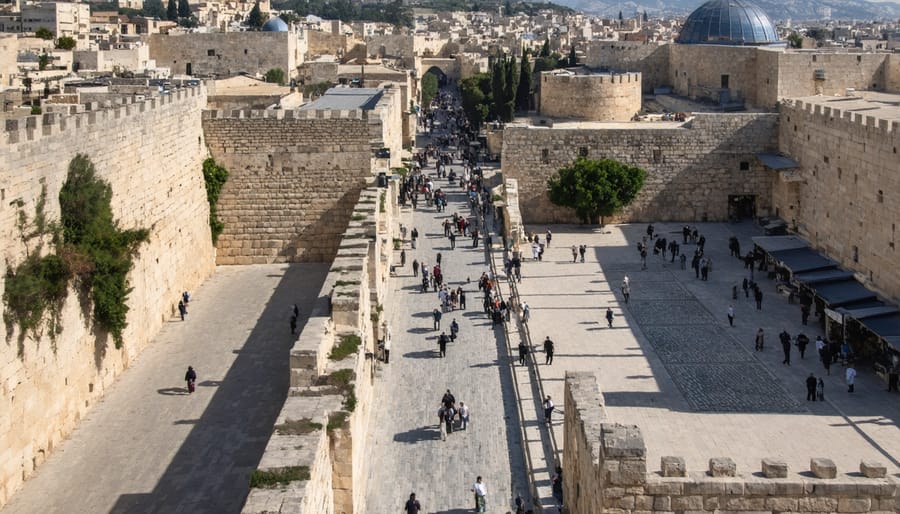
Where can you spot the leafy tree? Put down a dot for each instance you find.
(796, 40)
(184, 9)
(154, 9)
(507, 8)
(189, 22)
(523, 92)
(276, 76)
(172, 11)
(475, 95)
(620, 17)
(645, 16)
(511, 85)
(43, 33)
(595, 188)
(548, 63)
(43, 62)
(429, 89)
(545, 50)
(573, 59)
(215, 177)
(289, 17)
(255, 18)
(65, 43)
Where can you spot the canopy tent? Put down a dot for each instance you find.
(799, 260)
(777, 243)
(777, 162)
(812, 278)
(838, 294)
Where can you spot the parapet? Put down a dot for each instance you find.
(851, 118)
(285, 114)
(80, 117)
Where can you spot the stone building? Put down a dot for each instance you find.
(592, 96)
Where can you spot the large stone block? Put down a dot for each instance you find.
(722, 467)
(872, 469)
(854, 504)
(673, 466)
(773, 468)
(822, 467)
(817, 505)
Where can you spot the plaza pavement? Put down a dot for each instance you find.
(405, 450)
(673, 366)
(148, 447)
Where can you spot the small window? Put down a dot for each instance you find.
(855, 254)
(858, 58)
(211, 53)
(795, 128)
(657, 155)
(840, 172)
(245, 51)
(545, 156)
(814, 58)
(724, 82)
(880, 196)
(745, 166)
(583, 151)
(825, 157)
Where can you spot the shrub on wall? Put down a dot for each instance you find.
(215, 177)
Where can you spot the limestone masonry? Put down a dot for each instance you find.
(598, 97)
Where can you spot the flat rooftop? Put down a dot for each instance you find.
(346, 98)
(884, 106)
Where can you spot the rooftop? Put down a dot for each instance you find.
(346, 98)
(882, 106)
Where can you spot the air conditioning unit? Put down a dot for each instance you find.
(819, 74)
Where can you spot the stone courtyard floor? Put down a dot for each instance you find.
(672, 365)
(148, 446)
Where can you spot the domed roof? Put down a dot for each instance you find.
(275, 24)
(728, 22)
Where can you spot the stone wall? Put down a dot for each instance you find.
(295, 175)
(848, 184)
(150, 152)
(325, 43)
(605, 470)
(334, 452)
(692, 167)
(597, 97)
(228, 53)
(651, 60)
(696, 71)
(796, 73)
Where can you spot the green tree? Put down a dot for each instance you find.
(595, 188)
(154, 9)
(43, 33)
(475, 95)
(511, 85)
(43, 61)
(620, 17)
(184, 9)
(523, 92)
(255, 18)
(796, 40)
(215, 177)
(429, 89)
(645, 16)
(545, 50)
(65, 43)
(498, 85)
(172, 11)
(276, 76)
(573, 59)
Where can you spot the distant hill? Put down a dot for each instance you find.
(796, 10)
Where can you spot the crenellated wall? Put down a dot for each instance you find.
(605, 470)
(596, 97)
(843, 197)
(692, 168)
(150, 152)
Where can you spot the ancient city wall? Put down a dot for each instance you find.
(799, 73)
(597, 97)
(692, 168)
(649, 59)
(892, 73)
(696, 71)
(848, 181)
(150, 152)
(295, 176)
(325, 43)
(334, 449)
(227, 53)
(605, 470)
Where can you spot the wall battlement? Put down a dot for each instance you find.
(598, 78)
(849, 118)
(290, 114)
(605, 466)
(79, 117)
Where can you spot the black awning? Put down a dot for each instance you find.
(837, 294)
(811, 278)
(799, 260)
(777, 162)
(868, 310)
(885, 326)
(779, 243)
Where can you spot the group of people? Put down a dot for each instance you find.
(448, 413)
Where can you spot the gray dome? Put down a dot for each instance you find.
(728, 22)
(275, 24)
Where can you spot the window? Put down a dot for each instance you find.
(583, 151)
(724, 82)
(211, 53)
(245, 51)
(545, 156)
(880, 196)
(825, 158)
(840, 172)
(745, 166)
(855, 254)
(657, 155)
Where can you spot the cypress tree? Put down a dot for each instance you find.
(172, 11)
(184, 9)
(573, 59)
(523, 92)
(510, 87)
(255, 18)
(545, 50)
(498, 85)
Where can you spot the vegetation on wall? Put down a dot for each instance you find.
(215, 177)
(43, 33)
(65, 43)
(275, 76)
(90, 249)
(595, 188)
(429, 89)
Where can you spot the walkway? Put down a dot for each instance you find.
(672, 365)
(147, 446)
(406, 453)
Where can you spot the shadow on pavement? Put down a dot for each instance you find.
(417, 435)
(172, 391)
(210, 471)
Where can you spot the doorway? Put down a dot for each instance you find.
(741, 207)
(189, 70)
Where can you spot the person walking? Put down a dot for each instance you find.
(191, 378)
(820, 390)
(785, 346)
(850, 377)
(442, 344)
(415, 266)
(548, 409)
(523, 353)
(758, 296)
(760, 340)
(182, 309)
(802, 342)
(441, 425)
(480, 491)
(626, 289)
(549, 237)
(526, 312)
(609, 316)
(463, 415)
(293, 324)
(436, 314)
(412, 505)
(811, 384)
(388, 336)
(581, 250)
(730, 313)
(296, 311)
(548, 350)
(574, 253)
(461, 296)
(449, 415)
(402, 258)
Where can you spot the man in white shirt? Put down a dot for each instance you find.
(850, 376)
(480, 491)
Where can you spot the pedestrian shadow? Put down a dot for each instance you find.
(453, 511)
(420, 330)
(422, 315)
(486, 364)
(172, 391)
(210, 383)
(424, 354)
(186, 422)
(417, 435)
(588, 322)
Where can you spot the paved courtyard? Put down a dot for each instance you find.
(148, 447)
(673, 365)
